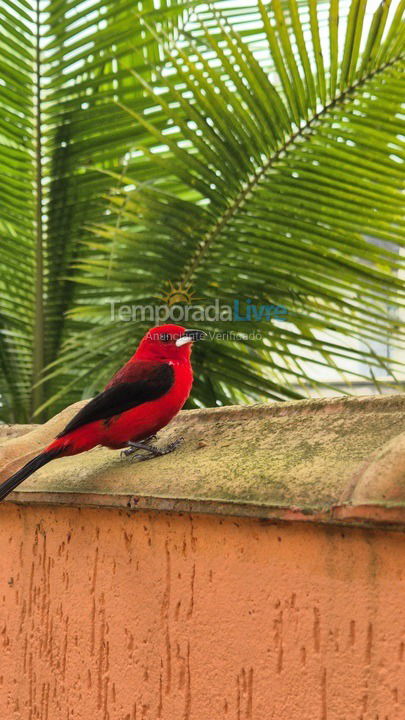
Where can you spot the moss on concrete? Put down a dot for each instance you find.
(302, 456)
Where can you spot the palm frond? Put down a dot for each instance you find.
(63, 67)
(17, 200)
(272, 177)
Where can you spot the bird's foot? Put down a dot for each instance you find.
(153, 451)
(134, 446)
(149, 440)
(157, 452)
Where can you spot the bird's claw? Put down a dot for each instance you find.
(151, 450)
(149, 440)
(130, 453)
(132, 448)
(158, 452)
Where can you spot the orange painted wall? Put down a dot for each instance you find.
(110, 616)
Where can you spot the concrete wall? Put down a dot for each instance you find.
(111, 615)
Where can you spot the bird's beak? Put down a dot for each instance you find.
(190, 336)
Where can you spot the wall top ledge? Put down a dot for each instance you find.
(338, 461)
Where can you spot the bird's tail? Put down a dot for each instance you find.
(8, 485)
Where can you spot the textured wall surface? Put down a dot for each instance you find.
(118, 616)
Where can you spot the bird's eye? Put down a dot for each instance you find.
(165, 337)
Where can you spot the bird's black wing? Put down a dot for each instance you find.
(147, 381)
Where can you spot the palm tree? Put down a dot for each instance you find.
(247, 153)
(62, 67)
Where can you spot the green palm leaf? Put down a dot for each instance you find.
(63, 66)
(263, 178)
(254, 152)
(266, 186)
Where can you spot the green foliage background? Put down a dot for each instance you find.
(247, 150)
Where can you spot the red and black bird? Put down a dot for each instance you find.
(139, 401)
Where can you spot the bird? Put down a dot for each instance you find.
(139, 400)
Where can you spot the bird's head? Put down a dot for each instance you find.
(168, 342)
